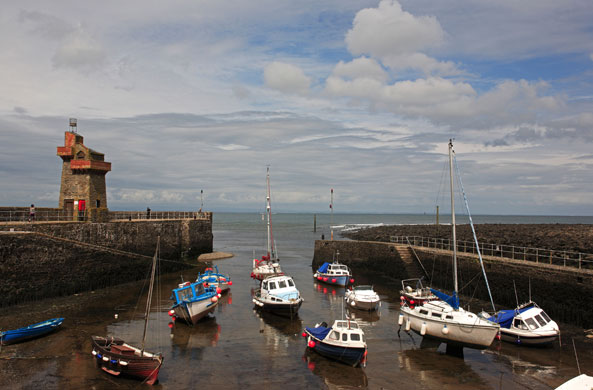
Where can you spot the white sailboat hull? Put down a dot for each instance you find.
(471, 332)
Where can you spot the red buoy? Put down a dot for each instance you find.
(351, 280)
(304, 334)
(218, 290)
(333, 280)
(311, 344)
(230, 282)
(171, 312)
(170, 325)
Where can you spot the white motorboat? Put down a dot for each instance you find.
(269, 264)
(528, 324)
(443, 319)
(278, 295)
(363, 298)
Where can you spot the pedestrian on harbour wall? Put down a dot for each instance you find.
(148, 213)
(32, 213)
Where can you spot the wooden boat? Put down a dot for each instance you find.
(118, 358)
(443, 319)
(269, 264)
(193, 301)
(278, 295)
(29, 332)
(362, 298)
(334, 273)
(343, 341)
(527, 324)
(215, 279)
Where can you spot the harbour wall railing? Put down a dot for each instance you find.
(538, 255)
(22, 214)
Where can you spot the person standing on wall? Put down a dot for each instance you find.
(148, 213)
(32, 213)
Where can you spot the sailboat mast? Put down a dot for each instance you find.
(271, 247)
(453, 215)
(150, 288)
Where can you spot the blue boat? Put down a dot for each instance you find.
(29, 332)
(215, 279)
(193, 301)
(343, 341)
(334, 273)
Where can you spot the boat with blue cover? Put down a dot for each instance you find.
(527, 324)
(344, 341)
(193, 301)
(29, 332)
(443, 319)
(215, 279)
(278, 295)
(334, 273)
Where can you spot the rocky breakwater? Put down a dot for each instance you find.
(565, 292)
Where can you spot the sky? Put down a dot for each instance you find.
(359, 96)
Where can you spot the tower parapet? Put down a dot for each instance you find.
(83, 194)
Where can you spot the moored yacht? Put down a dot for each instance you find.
(443, 319)
(269, 264)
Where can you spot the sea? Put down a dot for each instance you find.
(240, 348)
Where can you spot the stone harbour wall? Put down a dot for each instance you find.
(55, 259)
(565, 293)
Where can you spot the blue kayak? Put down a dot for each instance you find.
(29, 332)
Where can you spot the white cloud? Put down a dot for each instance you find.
(388, 30)
(286, 78)
(361, 67)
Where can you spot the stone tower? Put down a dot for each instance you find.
(83, 194)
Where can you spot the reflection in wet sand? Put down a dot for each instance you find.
(335, 375)
(436, 370)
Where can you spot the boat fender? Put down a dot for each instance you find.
(123, 363)
(311, 344)
(445, 330)
(423, 329)
(400, 320)
(408, 325)
(334, 280)
(105, 358)
(94, 352)
(353, 303)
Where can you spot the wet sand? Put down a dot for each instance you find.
(240, 348)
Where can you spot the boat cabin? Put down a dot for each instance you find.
(531, 319)
(338, 270)
(187, 291)
(282, 287)
(346, 332)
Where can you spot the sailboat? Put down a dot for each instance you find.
(269, 264)
(443, 319)
(116, 357)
